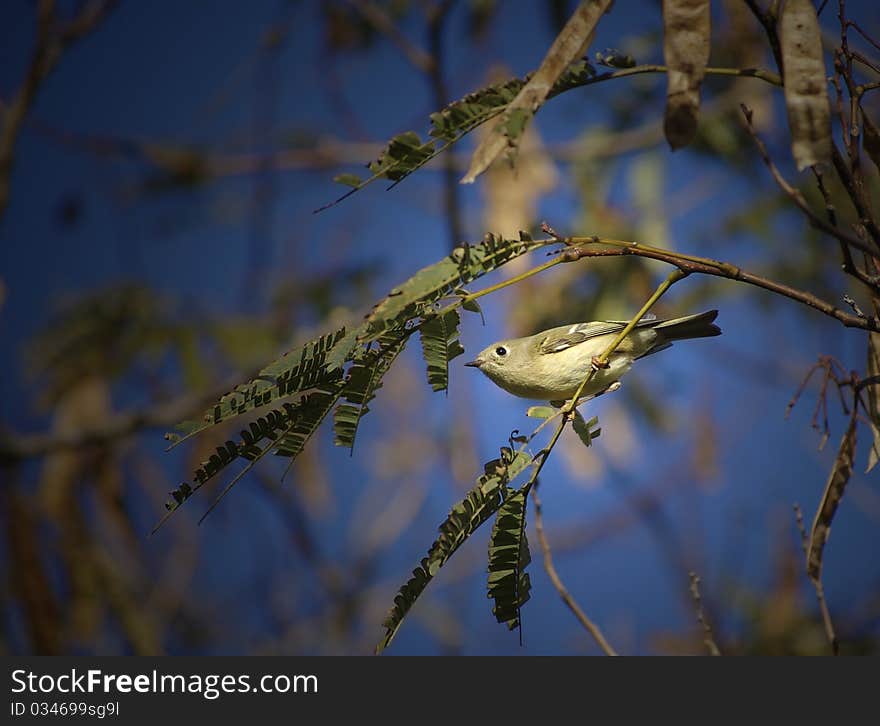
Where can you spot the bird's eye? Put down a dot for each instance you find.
(501, 351)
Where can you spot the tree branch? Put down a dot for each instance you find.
(437, 16)
(795, 194)
(376, 16)
(16, 447)
(569, 601)
(49, 46)
(817, 586)
(708, 637)
(579, 247)
(705, 266)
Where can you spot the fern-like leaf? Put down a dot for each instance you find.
(407, 152)
(253, 443)
(284, 429)
(319, 366)
(440, 345)
(312, 411)
(479, 504)
(466, 263)
(364, 379)
(509, 583)
(287, 376)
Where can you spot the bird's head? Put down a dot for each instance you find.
(505, 355)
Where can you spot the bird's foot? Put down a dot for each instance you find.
(598, 364)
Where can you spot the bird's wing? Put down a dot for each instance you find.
(646, 319)
(562, 338)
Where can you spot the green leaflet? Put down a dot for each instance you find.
(463, 115)
(472, 306)
(364, 379)
(509, 583)
(585, 429)
(284, 429)
(465, 264)
(315, 408)
(515, 124)
(439, 346)
(284, 377)
(255, 441)
(479, 504)
(614, 59)
(406, 152)
(403, 154)
(541, 411)
(342, 351)
(349, 180)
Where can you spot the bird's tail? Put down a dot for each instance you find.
(700, 325)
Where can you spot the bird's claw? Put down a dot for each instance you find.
(598, 364)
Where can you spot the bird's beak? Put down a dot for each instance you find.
(476, 363)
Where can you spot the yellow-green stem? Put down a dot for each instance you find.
(513, 280)
(761, 73)
(672, 278)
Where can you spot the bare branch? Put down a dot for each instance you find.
(708, 637)
(50, 44)
(437, 17)
(376, 16)
(569, 601)
(817, 585)
(705, 266)
(16, 447)
(795, 194)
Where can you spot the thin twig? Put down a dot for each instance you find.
(795, 194)
(854, 305)
(853, 24)
(854, 190)
(568, 412)
(437, 17)
(376, 16)
(708, 637)
(580, 247)
(768, 21)
(718, 269)
(50, 44)
(17, 447)
(826, 197)
(817, 585)
(797, 394)
(867, 62)
(569, 601)
(849, 265)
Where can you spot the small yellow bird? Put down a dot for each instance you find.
(551, 365)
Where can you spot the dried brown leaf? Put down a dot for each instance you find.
(686, 30)
(806, 90)
(840, 474)
(512, 201)
(569, 45)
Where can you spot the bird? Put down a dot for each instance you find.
(552, 365)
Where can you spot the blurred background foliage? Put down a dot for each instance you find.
(158, 242)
